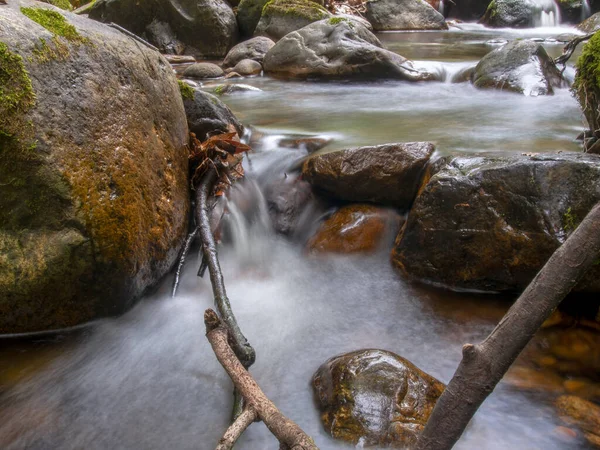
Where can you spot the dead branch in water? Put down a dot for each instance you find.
(570, 48)
(186, 249)
(483, 365)
(289, 434)
(236, 429)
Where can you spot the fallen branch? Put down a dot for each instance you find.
(236, 429)
(570, 48)
(483, 365)
(289, 434)
(241, 346)
(186, 249)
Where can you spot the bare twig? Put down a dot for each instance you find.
(288, 433)
(484, 364)
(235, 430)
(242, 347)
(570, 48)
(186, 249)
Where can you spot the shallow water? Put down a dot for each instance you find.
(149, 380)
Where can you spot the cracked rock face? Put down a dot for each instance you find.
(375, 398)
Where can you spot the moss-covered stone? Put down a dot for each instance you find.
(62, 4)
(187, 92)
(54, 22)
(248, 15)
(280, 17)
(586, 86)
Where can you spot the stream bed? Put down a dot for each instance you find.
(149, 380)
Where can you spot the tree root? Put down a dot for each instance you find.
(483, 365)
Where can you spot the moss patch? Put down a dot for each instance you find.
(586, 86)
(187, 92)
(62, 4)
(16, 92)
(54, 22)
(300, 8)
(45, 53)
(219, 89)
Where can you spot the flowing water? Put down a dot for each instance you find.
(149, 380)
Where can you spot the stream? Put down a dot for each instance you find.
(149, 380)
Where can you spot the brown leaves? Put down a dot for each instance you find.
(222, 151)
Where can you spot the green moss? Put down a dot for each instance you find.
(62, 4)
(219, 89)
(570, 222)
(16, 93)
(300, 8)
(586, 87)
(187, 92)
(54, 22)
(45, 53)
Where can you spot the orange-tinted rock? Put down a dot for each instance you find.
(375, 397)
(355, 229)
(584, 414)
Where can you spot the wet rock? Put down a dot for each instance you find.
(571, 11)
(248, 67)
(180, 59)
(280, 17)
(337, 49)
(512, 13)
(520, 66)
(309, 144)
(94, 200)
(490, 223)
(575, 349)
(162, 36)
(248, 15)
(387, 174)
(591, 24)
(207, 114)
(226, 89)
(203, 70)
(355, 229)
(207, 26)
(582, 413)
(255, 49)
(375, 398)
(286, 200)
(232, 74)
(387, 15)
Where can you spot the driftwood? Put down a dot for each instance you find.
(186, 249)
(289, 434)
(241, 346)
(239, 425)
(484, 364)
(570, 48)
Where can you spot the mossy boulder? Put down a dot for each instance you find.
(248, 15)
(94, 169)
(490, 223)
(358, 228)
(388, 174)
(586, 86)
(387, 15)
(514, 13)
(338, 48)
(591, 24)
(375, 398)
(208, 28)
(280, 17)
(523, 67)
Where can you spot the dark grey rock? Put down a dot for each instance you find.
(403, 15)
(206, 114)
(203, 70)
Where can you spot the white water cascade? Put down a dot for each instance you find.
(549, 14)
(586, 10)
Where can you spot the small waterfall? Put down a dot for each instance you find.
(549, 13)
(586, 10)
(441, 7)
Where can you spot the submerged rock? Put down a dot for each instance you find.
(519, 66)
(209, 27)
(375, 398)
(582, 413)
(286, 200)
(490, 223)
(387, 15)
(93, 163)
(255, 49)
(337, 48)
(355, 229)
(280, 17)
(206, 114)
(387, 174)
(203, 70)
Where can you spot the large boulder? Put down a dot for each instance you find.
(208, 27)
(206, 115)
(387, 174)
(387, 15)
(93, 164)
(375, 398)
(591, 24)
(519, 66)
(248, 15)
(280, 17)
(337, 48)
(489, 223)
(355, 228)
(586, 86)
(517, 13)
(254, 49)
